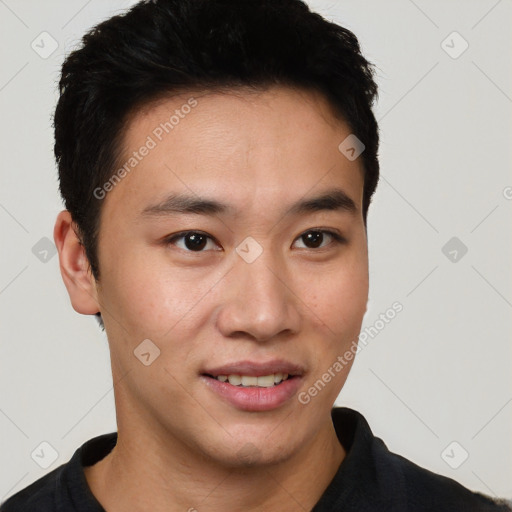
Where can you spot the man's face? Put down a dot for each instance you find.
(250, 290)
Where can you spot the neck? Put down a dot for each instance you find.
(146, 471)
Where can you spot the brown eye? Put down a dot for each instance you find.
(313, 239)
(197, 241)
(193, 241)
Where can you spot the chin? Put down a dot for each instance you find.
(246, 451)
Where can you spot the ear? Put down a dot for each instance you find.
(74, 266)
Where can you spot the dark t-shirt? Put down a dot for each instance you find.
(370, 479)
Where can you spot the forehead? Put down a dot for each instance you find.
(272, 145)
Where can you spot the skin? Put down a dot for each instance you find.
(180, 445)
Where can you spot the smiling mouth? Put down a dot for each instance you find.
(251, 381)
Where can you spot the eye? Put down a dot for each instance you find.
(193, 241)
(315, 237)
(197, 241)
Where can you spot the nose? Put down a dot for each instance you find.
(258, 300)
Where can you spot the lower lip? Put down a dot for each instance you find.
(255, 398)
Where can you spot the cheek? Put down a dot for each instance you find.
(341, 312)
(340, 297)
(151, 298)
(147, 298)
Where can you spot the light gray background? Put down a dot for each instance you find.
(439, 372)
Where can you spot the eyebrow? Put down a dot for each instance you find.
(334, 199)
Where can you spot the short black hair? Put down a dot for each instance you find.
(161, 48)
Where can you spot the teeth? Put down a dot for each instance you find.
(265, 381)
(235, 380)
(249, 381)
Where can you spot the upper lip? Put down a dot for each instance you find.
(256, 368)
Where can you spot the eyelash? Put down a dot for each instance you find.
(338, 239)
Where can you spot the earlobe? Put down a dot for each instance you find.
(74, 266)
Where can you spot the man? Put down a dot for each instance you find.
(217, 159)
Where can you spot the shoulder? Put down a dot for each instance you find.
(40, 495)
(384, 480)
(65, 488)
(426, 490)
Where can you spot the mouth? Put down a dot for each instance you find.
(252, 381)
(253, 386)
